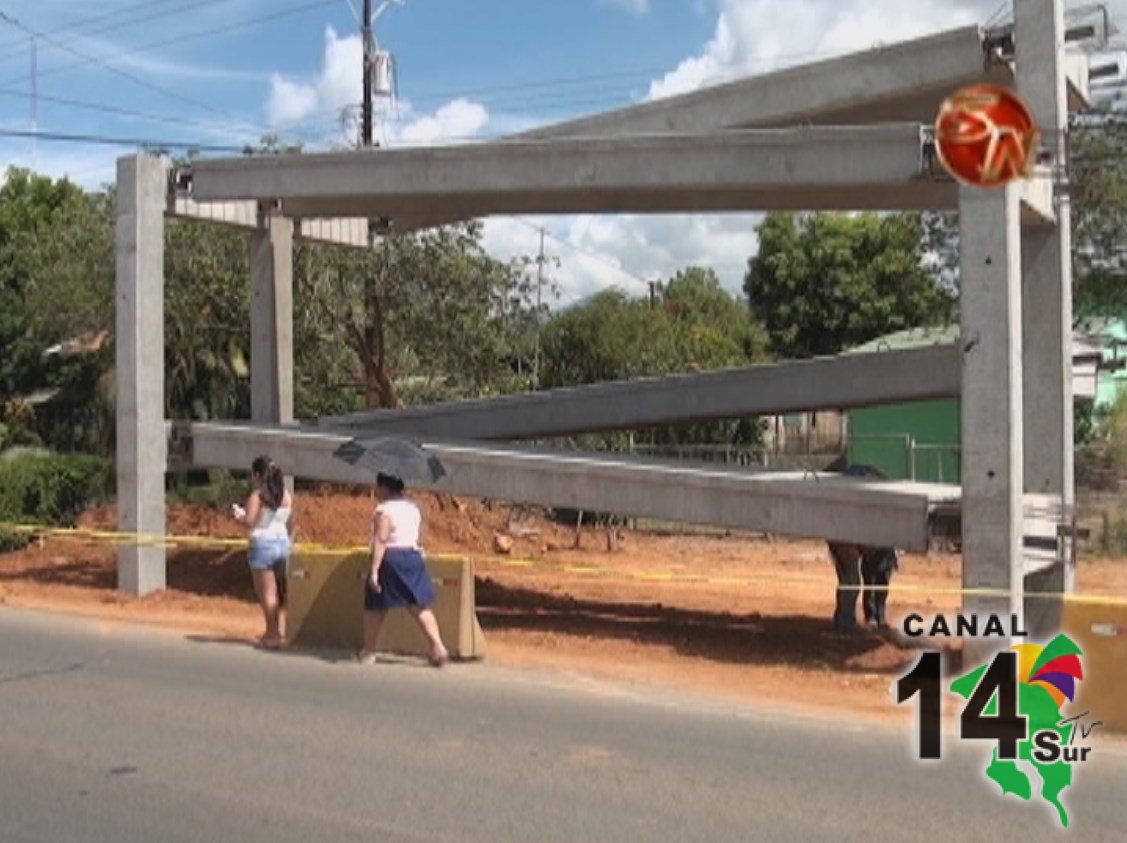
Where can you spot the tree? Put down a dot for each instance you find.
(695, 325)
(712, 328)
(1099, 202)
(29, 205)
(431, 314)
(822, 283)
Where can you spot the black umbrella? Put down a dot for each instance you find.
(397, 457)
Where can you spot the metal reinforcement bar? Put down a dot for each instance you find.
(845, 382)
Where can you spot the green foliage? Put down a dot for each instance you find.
(207, 321)
(30, 206)
(423, 317)
(695, 325)
(823, 283)
(51, 489)
(1099, 201)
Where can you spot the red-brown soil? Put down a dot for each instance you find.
(736, 615)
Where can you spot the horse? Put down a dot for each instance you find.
(862, 570)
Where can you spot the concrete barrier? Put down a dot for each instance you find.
(326, 603)
(1101, 632)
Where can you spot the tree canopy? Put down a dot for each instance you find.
(823, 282)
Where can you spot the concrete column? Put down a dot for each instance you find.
(271, 318)
(990, 309)
(142, 445)
(1047, 302)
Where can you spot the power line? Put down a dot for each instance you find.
(103, 108)
(181, 39)
(130, 22)
(88, 59)
(64, 137)
(596, 256)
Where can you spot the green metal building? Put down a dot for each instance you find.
(921, 441)
(917, 441)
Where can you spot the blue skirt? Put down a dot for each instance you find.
(404, 581)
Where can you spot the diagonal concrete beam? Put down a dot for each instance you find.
(789, 504)
(900, 82)
(849, 168)
(853, 380)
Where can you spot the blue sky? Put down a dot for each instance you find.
(213, 72)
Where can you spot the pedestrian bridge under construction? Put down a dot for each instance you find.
(849, 133)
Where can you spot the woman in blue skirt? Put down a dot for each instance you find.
(399, 576)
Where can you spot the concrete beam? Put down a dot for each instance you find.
(142, 456)
(900, 82)
(1042, 65)
(338, 232)
(882, 167)
(271, 318)
(852, 380)
(991, 338)
(790, 504)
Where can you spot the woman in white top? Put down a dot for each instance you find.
(399, 576)
(268, 513)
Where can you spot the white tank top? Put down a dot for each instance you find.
(405, 521)
(272, 524)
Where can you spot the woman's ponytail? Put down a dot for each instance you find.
(273, 481)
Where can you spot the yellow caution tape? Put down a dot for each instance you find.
(308, 549)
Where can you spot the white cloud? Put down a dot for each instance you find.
(337, 85)
(88, 167)
(753, 36)
(337, 89)
(457, 120)
(596, 252)
(750, 36)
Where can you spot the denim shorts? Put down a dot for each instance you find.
(265, 553)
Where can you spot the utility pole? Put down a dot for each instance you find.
(366, 129)
(34, 101)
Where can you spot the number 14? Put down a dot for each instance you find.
(1007, 727)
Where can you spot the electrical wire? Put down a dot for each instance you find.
(103, 108)
(596, 256)
(181, 39)
(104, 140)
(88, 59)
(131, 21)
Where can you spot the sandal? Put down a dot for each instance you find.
(366, 658)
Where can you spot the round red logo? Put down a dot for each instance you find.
(986, 136)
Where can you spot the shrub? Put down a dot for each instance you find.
(50, 489)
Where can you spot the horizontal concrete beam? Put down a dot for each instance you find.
(901, 82)
(852, 380)
(338, 232)
(791, 504)
(879, 167)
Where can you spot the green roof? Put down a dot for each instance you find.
(911, 338)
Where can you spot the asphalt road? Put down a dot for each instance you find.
(125, 734)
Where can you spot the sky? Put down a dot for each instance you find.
(227, 72)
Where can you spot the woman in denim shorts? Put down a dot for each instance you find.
(269, 514)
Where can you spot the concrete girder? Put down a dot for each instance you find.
(907, 81)
(882, 167)
(852, 380)
(899, 82)
(792, 504)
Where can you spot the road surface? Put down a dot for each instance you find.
(112, 733)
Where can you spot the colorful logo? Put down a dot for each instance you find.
(1017, 701)
(986, 136)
